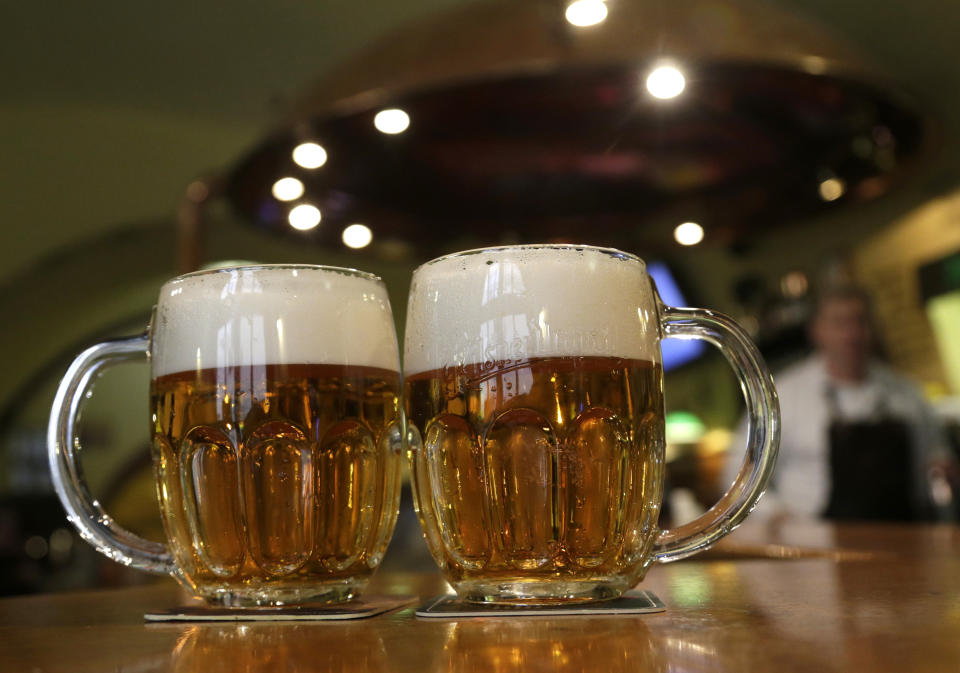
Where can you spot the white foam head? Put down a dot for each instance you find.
(251, 316)
(529, 301)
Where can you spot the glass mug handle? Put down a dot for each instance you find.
(763, 438)
(83, 511)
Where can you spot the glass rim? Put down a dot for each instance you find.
(613, 252)
(343, 270)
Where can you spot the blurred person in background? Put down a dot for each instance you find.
(858, 441)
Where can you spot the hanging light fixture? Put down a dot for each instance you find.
(505, 120)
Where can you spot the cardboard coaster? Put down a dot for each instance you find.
(631, 603)
(362, 608)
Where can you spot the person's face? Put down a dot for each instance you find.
(841, 330)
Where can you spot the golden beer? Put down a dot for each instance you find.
(281, 479)
(539, 470)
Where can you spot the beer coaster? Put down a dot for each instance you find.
(357, 609)
(631, 603)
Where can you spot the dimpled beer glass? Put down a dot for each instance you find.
(276, 434)
(534, 396)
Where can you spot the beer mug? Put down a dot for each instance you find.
(534, 395)
(276, 434)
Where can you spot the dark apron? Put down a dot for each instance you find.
(871, 468)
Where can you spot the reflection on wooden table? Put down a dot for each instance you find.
(533, 644)
(845, 598)
(268, 648)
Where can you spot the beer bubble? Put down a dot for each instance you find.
(229, 318)
(523, 302)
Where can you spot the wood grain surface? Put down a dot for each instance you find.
(788, 597)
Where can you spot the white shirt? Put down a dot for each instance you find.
(801, 481)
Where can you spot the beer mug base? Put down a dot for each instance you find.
(525, 591)
(288, 593)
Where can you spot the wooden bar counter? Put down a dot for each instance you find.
(795, 597)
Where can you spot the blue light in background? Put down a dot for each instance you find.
(675, 352)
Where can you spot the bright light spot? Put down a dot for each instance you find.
(357, 236)
(688, 233)
(392, 121)
(309, 155)
(683, 427)
(832, 189)
(224, 263)
(304, 217)
(582, 13)
(287, 189)
(794, 284)
(666, 82)
(815, 65)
